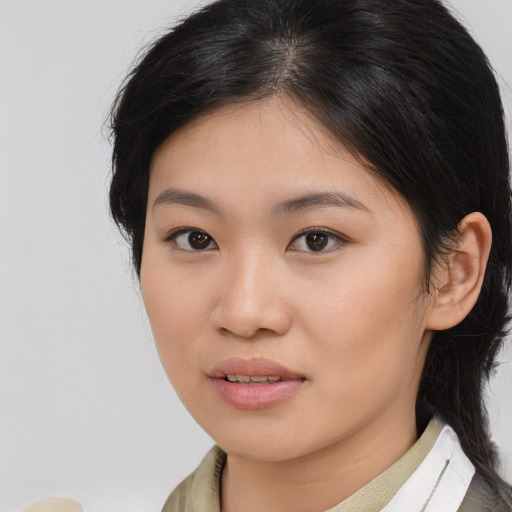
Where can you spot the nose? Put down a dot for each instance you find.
(252, 301)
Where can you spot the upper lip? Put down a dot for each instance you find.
(254, 367)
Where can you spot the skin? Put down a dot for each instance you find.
(352, 319)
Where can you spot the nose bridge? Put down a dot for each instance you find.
(251, 298)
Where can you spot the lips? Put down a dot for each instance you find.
(256, 367)
(254, 383)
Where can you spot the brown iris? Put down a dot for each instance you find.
(317, 241)
(199, 240)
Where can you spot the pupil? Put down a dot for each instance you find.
(198, 240)
(317, 241)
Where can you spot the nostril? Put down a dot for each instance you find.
(250, 321)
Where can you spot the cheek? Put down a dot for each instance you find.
(177, 311)
(370, 322)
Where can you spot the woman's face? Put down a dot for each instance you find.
(272, 256)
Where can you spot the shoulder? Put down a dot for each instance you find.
(486, 496)
(200, 491)
(177, 500)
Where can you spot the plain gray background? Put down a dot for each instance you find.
(85, 409)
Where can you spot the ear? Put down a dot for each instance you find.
(457, 280)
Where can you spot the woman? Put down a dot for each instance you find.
(317, 197)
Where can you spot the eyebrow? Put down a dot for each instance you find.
(318, 200)
(173, 196)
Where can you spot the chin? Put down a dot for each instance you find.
(267, 445)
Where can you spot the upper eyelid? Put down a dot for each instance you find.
(326, 231)
(184, 229)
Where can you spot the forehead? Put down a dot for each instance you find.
(263, 150)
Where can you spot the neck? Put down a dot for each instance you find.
(319, 480)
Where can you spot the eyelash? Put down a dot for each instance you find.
(339, 241)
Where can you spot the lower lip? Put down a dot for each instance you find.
(255, 396)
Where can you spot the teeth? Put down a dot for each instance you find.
(247, 379)
(261, 378)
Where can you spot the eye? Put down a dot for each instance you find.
(188, 239)
(316, 240)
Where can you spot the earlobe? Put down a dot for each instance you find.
(458, 278)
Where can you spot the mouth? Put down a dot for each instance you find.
(254, 383)
(253, 380)
(255, 370)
